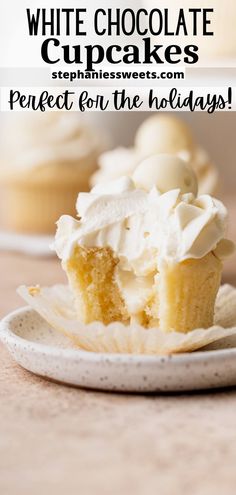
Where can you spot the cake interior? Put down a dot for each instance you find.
(178, 296)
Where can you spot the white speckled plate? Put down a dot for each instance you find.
(41, 350)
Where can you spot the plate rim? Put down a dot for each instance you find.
(7, 336)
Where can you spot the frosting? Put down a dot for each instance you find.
(114, 164)
(33, 140)
(143, 228)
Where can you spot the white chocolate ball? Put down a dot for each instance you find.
(166, 172)
(163, 134)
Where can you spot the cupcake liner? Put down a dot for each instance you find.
(55, 305)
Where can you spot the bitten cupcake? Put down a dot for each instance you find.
(146, 249)
(47, 159)
(160, 133)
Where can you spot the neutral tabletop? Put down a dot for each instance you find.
(59, 440)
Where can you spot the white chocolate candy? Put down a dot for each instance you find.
(163, 134)
(166, 172)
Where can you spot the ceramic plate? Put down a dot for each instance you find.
(45, 352)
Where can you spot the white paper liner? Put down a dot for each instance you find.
(55, 305)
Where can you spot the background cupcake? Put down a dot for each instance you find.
(160, 133)
(46, 160)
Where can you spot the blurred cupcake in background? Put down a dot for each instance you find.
(47, 159)
(160, 133)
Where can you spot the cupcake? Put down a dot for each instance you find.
(46, 160)
(146, 249)
(159, 134)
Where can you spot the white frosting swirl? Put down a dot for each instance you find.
(35, 140)
(114, 164)
(143, 228)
